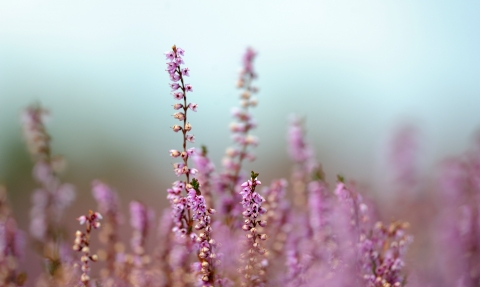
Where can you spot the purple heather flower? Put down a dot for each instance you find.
(174, 153)
(177, 106)
(174, 86)
(174, 77)
(171, 66)
(179, 116)
(180, 52)
(188, 88)
(176, 128)
(170, 55)
(185, 72)
(193, 107)
(178, 96)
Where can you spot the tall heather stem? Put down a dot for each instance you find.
(181, 213)
(246, 123)
(234, 157)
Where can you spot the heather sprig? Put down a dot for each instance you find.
(244, 122)
(229, 179)
(109, 207)
(383, 250)
(180, 211)
(53, 197)
(82, 243)
(205, 243)
(254, 258)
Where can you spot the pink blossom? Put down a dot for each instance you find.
(179, 116)
(174, 86)
(178, 95)
(193, 107)
(176, 128)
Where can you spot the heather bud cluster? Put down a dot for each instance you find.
(383, 251)
(82, 243)
(205, 243)
(254, 257)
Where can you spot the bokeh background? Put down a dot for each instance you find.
(356, 70)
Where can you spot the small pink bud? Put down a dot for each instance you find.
(193, 171)
(82, 219)
(174, 86)
(176, 128)
(98, 215)
(193, 107)
(179, 116)
(178, 95)
(174, 153)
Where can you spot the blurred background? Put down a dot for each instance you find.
(356, 70)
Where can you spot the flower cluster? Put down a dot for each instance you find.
(82, 243)
(205, 242)
(255, 259)
(383, 251)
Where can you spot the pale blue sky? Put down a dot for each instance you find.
(355, 69)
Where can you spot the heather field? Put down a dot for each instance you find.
(315, 143)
